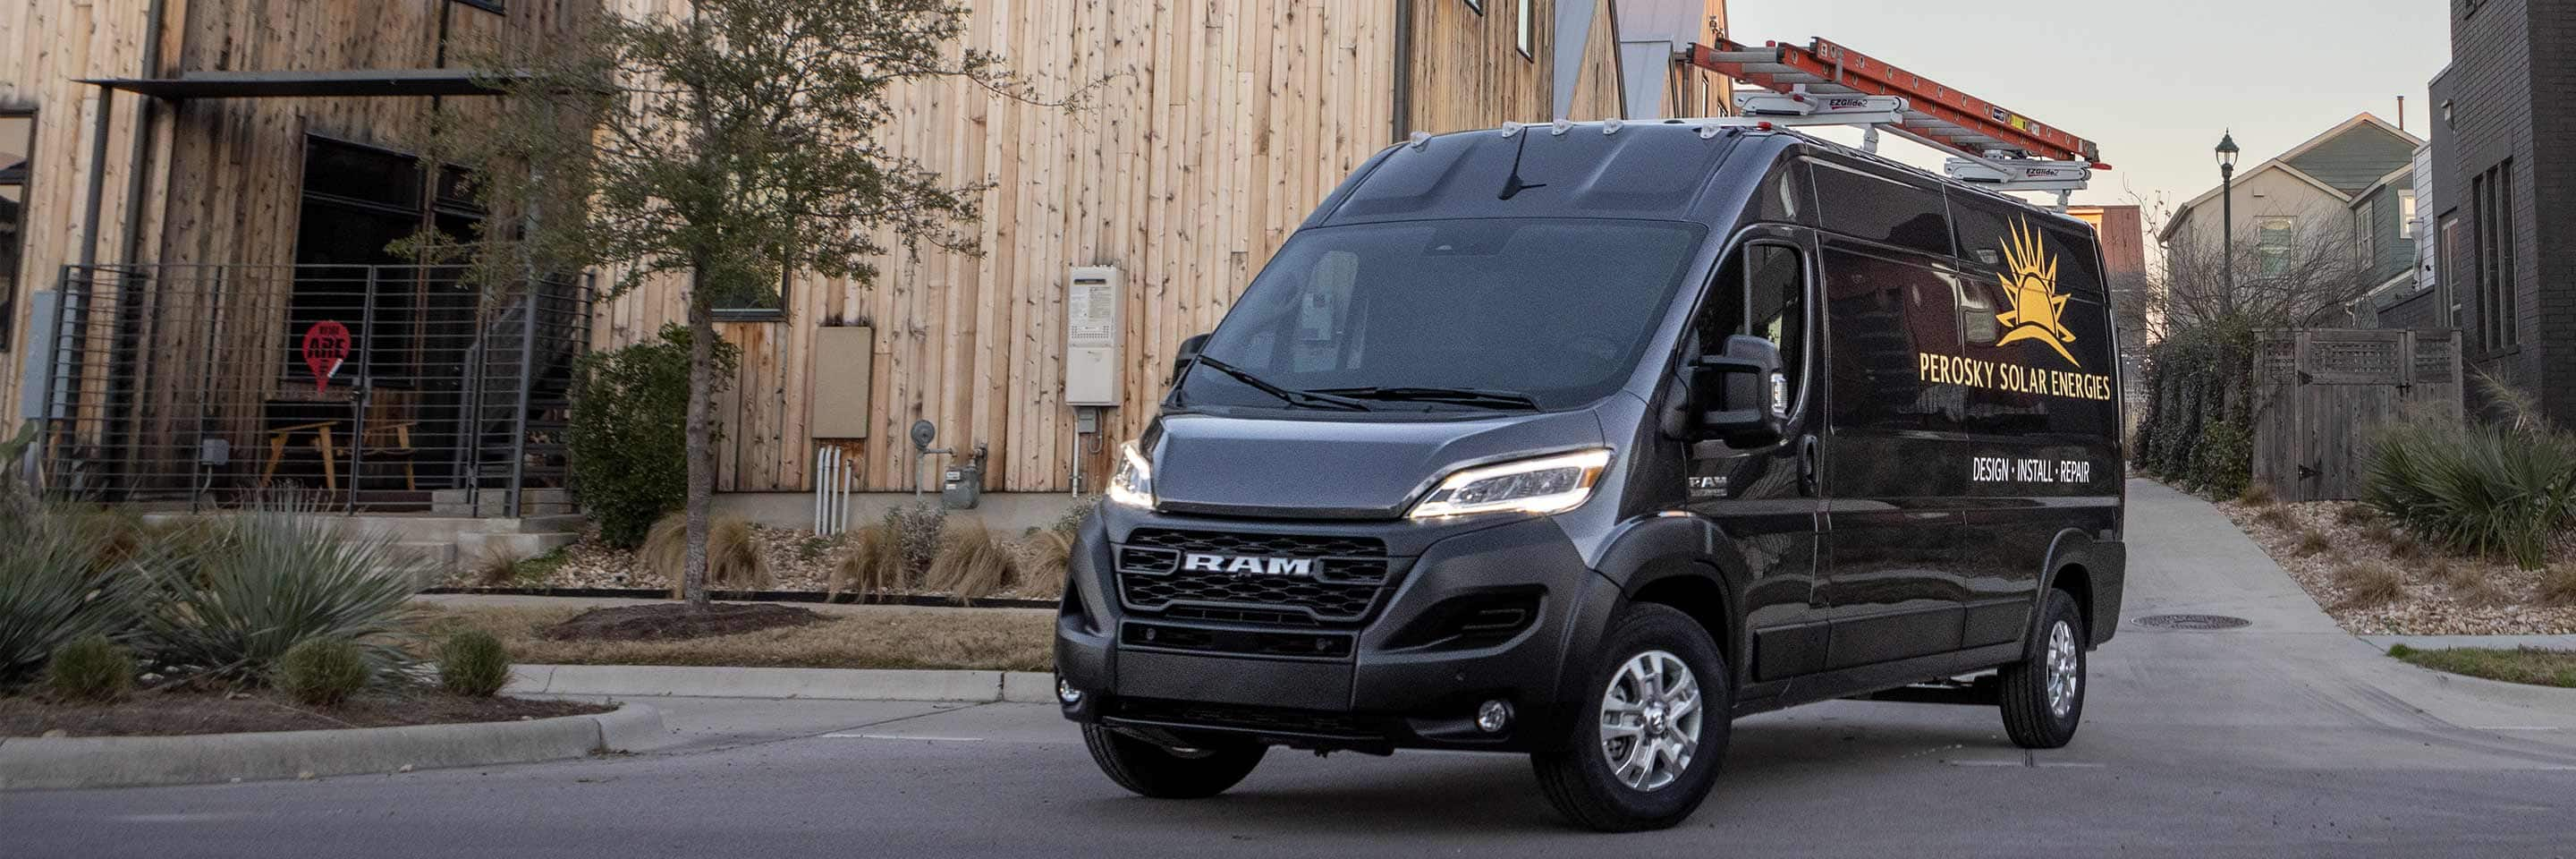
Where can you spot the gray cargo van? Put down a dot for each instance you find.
(1580, 442)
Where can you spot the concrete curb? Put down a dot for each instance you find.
(845, 684)
(72, 763)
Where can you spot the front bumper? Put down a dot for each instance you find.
(1411, 674)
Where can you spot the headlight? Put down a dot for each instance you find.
(1132, 484)
(1549, 484)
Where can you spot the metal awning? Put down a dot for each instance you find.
(312, 84)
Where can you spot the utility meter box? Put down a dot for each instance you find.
(1092, 328)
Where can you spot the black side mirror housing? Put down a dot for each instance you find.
(1190, 347)
(1740, 396)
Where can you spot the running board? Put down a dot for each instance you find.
(1984, 690)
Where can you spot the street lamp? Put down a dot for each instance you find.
(2227, 207)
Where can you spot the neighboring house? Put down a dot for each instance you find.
(2293, 208)
(203, 198)
(2499, 205)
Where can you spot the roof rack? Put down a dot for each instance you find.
(1827, 84)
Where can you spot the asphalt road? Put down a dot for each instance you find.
(2284, 738)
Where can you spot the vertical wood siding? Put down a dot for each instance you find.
(1221, 126)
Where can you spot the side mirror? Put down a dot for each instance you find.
(1189, 352)
(1741, 396)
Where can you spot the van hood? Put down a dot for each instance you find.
(1336, 469)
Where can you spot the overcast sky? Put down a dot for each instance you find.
(2152, 81)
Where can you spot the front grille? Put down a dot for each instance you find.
(1349, 574)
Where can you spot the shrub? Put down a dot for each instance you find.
(1049, 557)
(734, 559)
(2223, 462)
(2255, 495)
(2482, 491)
(91, 668)
(971, 564)
(276, 577)
(2558, 586)
(1070, 522)
(53, 591)
(2370, 583)
(473, 663)
(918, 530)
(2313, 542)
(322, 672)
(627, 446)
(873, 569)
(2449, 573)
(2277, 517)
(2356, 515)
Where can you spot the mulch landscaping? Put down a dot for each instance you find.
(798, 560)
(2444, 594)
(176, 713)
(676, 621)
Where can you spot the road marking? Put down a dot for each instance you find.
(903, 737)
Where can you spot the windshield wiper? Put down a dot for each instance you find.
(1451, 396)
(1292, 395)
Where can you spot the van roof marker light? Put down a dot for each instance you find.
(1420, 139)
(1611, 126)
(1559, 128)
(1512, 129)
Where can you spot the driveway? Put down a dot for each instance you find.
(2285, 737)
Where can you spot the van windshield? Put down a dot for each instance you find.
(1517, 313)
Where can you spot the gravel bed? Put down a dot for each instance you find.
(2430, 607)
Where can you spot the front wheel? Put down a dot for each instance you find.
(2043, 694)
(1161, 773)
(1643, 751)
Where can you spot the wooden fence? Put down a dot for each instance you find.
(2321, 393)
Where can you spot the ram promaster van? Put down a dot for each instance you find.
(1582, 442)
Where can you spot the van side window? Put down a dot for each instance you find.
(1761, 290)
(1785, 196)
(1885, 315)
(1882, 210)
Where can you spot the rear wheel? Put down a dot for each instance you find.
(1644, 749)
(2043, 694)
(1165, 773)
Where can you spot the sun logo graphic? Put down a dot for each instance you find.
(2030, 283)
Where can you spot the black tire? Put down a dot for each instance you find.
(2033, 718)
(1150, 770)
(1573, 768)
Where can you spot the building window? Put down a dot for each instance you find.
(2365, 236)
(2405, 213)
(1529, 30)
(17, 148)
(2491, 219)
(2274, 240)
(2449, 254)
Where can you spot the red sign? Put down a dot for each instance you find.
(326, 345)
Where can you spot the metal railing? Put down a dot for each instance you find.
(381, 388)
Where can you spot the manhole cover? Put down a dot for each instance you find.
(2192, 621)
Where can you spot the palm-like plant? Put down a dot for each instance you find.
(2486, 491)
(272, 578)
(54, 589)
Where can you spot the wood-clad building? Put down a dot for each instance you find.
(248, 144)
(1220, 127)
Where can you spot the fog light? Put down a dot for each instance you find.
(1065, 692)
(1493, 716)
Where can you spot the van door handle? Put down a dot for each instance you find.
(1807, 461)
